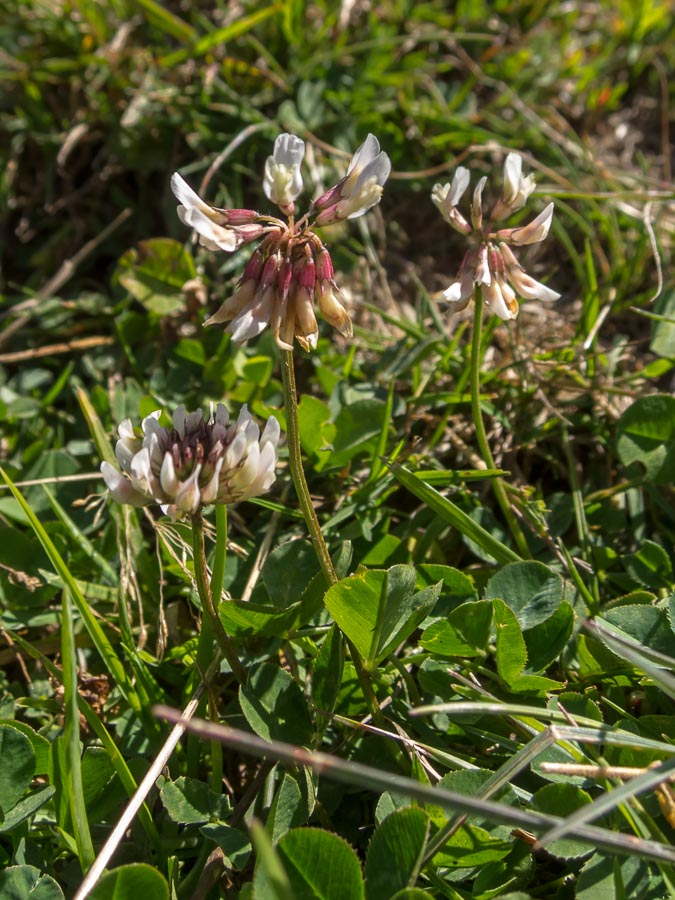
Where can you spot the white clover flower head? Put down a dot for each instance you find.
(282, 181)
(194, 463)
(290, 271)
(490, 263)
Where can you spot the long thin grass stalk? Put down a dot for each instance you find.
(78, 811)
(116, 835)
(110, 658)
(371, 778)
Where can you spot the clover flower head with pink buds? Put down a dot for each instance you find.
(290, 271)
(490, 262)
(194, 463)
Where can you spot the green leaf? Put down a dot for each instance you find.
(25, 808)
(456, 587)
(293, 804)
(327, 672)
(242, 619)
(395, 853)
(546, 642)
(357, 425)
(131, 882)
(650, 566)
(17, 768)
(27, 883)
(465, 633)
(531, 589)
(663, 339)
(646, 434)
(472, 845)
(316, 430)
(317, 864)
(236, 846)
(379, 608)
(511, 649)
(443, 639)
(39, 743)
(454, 516)
(611, 877)
(154, 273)
(191, 350)
(191, 802)
(270, 881)
(647, 625)
(287, 572)
(561, 800)
(275, 707)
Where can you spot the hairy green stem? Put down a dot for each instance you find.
(311, 520)
(210, 611)
(481, 436)
(297, 472)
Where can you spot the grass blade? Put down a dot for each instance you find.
(96, 632)
(78, 812)
(453, 515)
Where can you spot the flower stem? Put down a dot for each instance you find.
(204, 588)
(481, 436)
(318, 540)
(297, 472)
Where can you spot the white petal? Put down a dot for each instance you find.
(513, 167)
(179, 420)
(224, 238)
(188, 496)
(483, 274)
(364, 154)
(460, 182)
(254, 319)
(150, 423)
(235, 452)
(529, 289)
(222, 416)
(494, 300)
(271, 434)
(289, 149)
(167, 476)
(121, 489)
(535, 231)
(185, 195)
(210, 492)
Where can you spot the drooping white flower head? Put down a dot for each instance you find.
(282, 181)
(290, 270)
(490, 263)
(195, 463)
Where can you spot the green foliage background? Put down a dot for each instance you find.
(103, 295)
